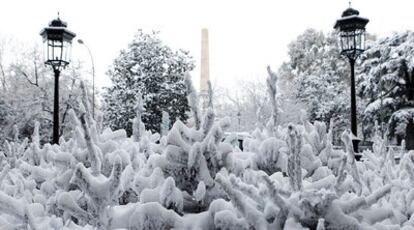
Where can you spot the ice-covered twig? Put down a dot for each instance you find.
(193, 100)
(208, 121)
(154, 216)
(194, 156)
(171, 197)
(14, 150)
(94, 158)
(375, 215)
(175, 138)
(249, 190)
(4, 172)
(216, 133)
(252, 215)
(341, 175)
(188, 134)
(285, 208)
(165, 123)
(67, 204)
(378, 194)
(210, 94)
(99, 121)
(200, 193)
(102, 192)
(294, 164)
(138, 126)
(353, 205)
(271, 83)
(209, 150)
(361, 202)
(30, 218)
(35, 145)
(11, 205)
(35, 135)
(346, 139)
(274, 194)
(85, 102)
(115, 178)
(277, 200)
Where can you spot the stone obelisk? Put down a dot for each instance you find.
(204, 69)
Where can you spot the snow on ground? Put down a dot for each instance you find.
(198, 179)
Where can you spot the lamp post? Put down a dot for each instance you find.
(80, 41)
(57, 41)
(351, 30)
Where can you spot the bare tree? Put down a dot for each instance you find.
(29, 86)
(249, 102)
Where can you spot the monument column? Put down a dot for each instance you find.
(204, 69)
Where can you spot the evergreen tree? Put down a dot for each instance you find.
(156, 71)
(316, 78)
(386, 82)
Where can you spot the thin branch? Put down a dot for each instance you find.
(27, 76)
(36, 72)
(389, 91)
(68, 106)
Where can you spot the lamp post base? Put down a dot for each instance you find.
(357, 155)
(355, 144)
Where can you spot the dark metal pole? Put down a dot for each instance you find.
(354, 125)
(56, 109)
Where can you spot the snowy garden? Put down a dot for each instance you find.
(197, 178)
(155, 153)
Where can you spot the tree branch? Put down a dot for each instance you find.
(36, 83)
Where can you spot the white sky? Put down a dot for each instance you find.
(245, 35)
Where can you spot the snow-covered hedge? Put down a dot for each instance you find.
(192, 178)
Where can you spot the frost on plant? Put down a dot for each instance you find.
(194, 178)
(271, 82)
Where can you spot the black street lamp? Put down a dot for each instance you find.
(351, 30)
(57, 42)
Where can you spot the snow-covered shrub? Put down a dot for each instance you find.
(272, 156)
(194, 179)
(399, 121)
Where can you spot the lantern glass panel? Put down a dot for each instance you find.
(57, 50)
(345, 41)
(352, 40)
(66, 51)
(50, 50)
(357, 40)
(360, 39)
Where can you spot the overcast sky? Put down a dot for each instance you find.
(245, 35)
